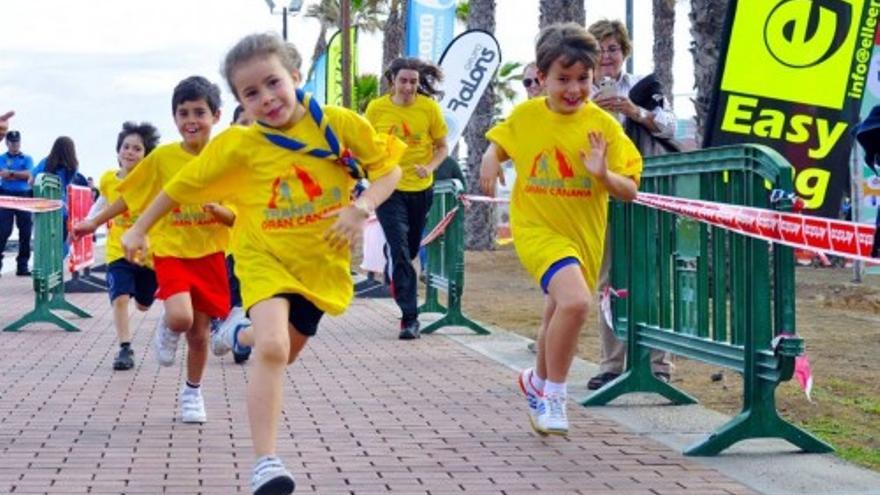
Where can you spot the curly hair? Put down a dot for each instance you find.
(429, 74)
(147, 131)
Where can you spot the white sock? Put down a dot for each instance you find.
(551, 388)
(536, 381)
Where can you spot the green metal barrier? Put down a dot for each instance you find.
(48, 263)
(445, 269)
(706, 293)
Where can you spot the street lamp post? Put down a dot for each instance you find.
(292, 9)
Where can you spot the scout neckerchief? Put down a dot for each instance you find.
(341, 155)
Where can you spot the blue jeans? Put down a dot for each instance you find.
(24, 221)
(403, 217)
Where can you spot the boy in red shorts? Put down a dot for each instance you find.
(188, 245)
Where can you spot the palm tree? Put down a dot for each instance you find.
(480, 218)
(367, 15)
(393, 40)
(707, 28)
(553, 11)
(366, 88)
(507, 74)
(664, 26)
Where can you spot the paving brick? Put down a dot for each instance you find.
(363, 413)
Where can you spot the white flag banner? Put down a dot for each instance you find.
(469, 63)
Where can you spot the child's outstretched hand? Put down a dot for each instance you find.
(348, 228)
(596, 163)
(134, 243)
(83, 228)
(490, 172)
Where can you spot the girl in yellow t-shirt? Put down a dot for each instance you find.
(124, 279)
(411, 114)
(294, 220)
(559, 202)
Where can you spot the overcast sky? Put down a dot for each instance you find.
(81, 68)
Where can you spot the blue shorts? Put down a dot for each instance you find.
(128, 279)
(555, 267)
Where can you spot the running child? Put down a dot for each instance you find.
(288, 178)
(569, 156)
(126, 280)
(187, 246)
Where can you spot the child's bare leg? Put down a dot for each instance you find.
(179, 312)
(120, 318)
(541, 361)
(571, 297)
(272, 348)
(197, 347)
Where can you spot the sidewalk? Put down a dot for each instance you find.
(363, 413)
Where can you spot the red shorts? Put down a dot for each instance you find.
(203, 278)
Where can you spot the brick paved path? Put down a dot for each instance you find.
(363, 414)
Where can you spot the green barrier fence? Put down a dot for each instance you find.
(48, 263)
(445, 267)
(706, 293)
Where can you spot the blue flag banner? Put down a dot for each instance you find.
(317, 82)
(429, 28)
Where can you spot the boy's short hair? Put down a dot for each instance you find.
(147, 131)
(195, 88)
(570, 43)
(259, 45)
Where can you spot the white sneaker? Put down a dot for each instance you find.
(192, 405)
(223, 338)
(165, 342)
(271, 477)
(554, 419)
(534, 398)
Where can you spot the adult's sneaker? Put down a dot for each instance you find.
(534, 398)
(271, 477)
(225, 337)
(554, 420)
(124, 359)
(192, 405)
(165, 342)
(409, 330)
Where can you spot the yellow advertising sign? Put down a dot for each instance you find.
(798, 51)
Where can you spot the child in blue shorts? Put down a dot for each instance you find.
(124, 279)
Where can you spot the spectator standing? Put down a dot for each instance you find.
(15, 174)
(641, 124)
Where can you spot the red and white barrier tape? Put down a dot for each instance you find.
(438, 230)
(33, 205)
(846, 239)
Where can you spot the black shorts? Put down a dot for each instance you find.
(303, 315)
(128, 279)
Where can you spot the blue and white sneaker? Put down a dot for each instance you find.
(534, 398)
(271, 477)
(554, 419)
(225, 337)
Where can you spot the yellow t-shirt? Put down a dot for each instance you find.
(281, 200)
(557, 208)
(188, 231)
(117, 226)
(418, 125)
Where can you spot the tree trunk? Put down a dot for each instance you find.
(664, 28)
(394, 38)
(707, 26)
(553, 11)
(480, 217)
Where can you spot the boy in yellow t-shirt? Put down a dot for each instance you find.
(412, 115)
(290, 184)
(126, 280)
(187, 246)
(559, 202)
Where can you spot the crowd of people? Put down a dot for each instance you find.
(277, 202)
